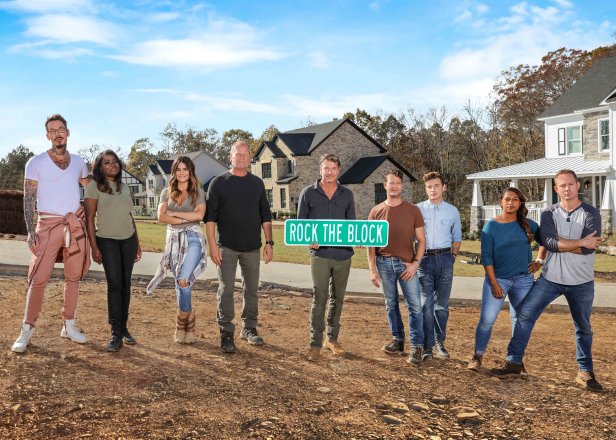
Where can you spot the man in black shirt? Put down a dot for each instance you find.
(237, 206)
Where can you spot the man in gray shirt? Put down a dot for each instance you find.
(570, 231)
(330, 266)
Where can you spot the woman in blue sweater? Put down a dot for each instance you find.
(507, 258)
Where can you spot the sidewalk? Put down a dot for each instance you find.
(16, 253)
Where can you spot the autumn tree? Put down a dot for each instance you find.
(12, 168)
(141, 156)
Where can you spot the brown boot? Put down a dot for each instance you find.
(180, 327)
(189, 337)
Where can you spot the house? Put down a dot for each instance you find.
(290, 162)
(159, 173)
(579, 129)
(134, 184)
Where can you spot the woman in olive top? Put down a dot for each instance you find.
(182, 207)
(507, 258)
(114, 241)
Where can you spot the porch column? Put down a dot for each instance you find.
(547, 192)
(513, 183)
(608, 205)
(476, 208)
(594, 191)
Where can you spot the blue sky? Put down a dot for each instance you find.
(119, 71)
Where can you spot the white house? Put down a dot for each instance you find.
(134, 184)
(578, 136)
(159, 173)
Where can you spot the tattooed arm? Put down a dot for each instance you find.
(30, 188)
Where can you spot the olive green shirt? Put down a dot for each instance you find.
(184, 207)
(113, 211)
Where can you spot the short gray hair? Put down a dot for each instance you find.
(237, 144)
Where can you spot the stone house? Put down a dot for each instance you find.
(290, 162)
(578, 136)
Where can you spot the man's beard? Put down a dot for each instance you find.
(61, 146)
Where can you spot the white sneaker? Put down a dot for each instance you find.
(22, 342)
(70, 330)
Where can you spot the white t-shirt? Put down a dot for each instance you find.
(58, 190)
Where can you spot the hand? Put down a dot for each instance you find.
(33, 241)
(375, 278)
(497, 291)
(96, 255)
(138, 256)
(409, 272)
(314, 246)
(268, 253)
(591, 241)
(534, 267)
(215, 254)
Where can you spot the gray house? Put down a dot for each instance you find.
(578, 136)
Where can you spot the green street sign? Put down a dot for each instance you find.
(371, 233)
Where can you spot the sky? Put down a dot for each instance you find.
(120, 71)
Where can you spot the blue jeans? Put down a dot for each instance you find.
(435, 278)
(516, 288)
(579, 298)
(191, 259)
(390, 269)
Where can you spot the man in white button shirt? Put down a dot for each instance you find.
(443, 238)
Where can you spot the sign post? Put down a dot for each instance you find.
(369, 233)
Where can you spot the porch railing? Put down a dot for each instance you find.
(534, 211)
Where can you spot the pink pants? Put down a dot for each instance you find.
(50, 242)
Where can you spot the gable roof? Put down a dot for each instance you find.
(588, 92)
(154, 169)
(365, 166)
(165, 165)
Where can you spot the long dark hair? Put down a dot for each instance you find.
(521, 213)
(193, 183)
(97, 173)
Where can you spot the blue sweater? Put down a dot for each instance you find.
(505, 246)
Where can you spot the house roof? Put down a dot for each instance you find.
(154, 170)
(545, 168)
(588, 92)
(165, 165)
(286, 180)
(277, 152)
(300, 144)
(365, 166)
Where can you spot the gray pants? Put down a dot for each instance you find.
(249, 265)
(330, 278)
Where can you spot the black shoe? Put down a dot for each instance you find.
(115, 343)
(508, 369)
(226, 342)
(416, 355)
(249, 334)
(127, 338)
(587, 379)
(394, 347)
(440, 351)
(427, 355)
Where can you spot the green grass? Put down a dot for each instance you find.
(152, 239)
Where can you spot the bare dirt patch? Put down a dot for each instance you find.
(158, 389)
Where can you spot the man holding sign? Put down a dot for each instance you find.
(330, 266)
(397, 263)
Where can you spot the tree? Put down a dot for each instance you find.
(232, 136)
(12, 168)
(141, 157)
(177, 141)
(268, 134)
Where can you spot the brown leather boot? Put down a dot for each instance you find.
(189, 337)
(180, 327)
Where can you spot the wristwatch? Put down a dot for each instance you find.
(271, 242)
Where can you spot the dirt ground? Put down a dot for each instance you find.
(158, 389)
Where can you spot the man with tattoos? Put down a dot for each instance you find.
(51, 188)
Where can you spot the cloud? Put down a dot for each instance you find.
(471, 12)
(318, 59)
(65, 28)
(45, 6)
(377, 5)
(162, 17)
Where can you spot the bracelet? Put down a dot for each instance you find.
(540, 261)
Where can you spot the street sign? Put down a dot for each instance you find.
(370, 233)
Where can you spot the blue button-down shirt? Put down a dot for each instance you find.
(442, 223)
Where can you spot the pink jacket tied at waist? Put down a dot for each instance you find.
(75, 240)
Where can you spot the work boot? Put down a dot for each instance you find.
(427, 354)
(475, 362)
(440, 351)
(189, 336)
(314, 353)
(250, 335)
(180, 326)
(127, 338)
(396, 346)
(335, 347)
(227, 345)
(21, 343)
(415, 355)
(587, 379)
(70, 331)
(508, 369)
(115, 343)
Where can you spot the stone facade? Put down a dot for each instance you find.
(607, 220)
(590, 136)
(476, 219)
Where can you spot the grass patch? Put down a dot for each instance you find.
(152, 239)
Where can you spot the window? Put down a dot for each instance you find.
(268, 194)
(290, 167)
(379, 193)
(283, 198)
(151, 202)
(150, 183)
(134, 189)
(570, 140)
(604, 135)
(266, 170)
